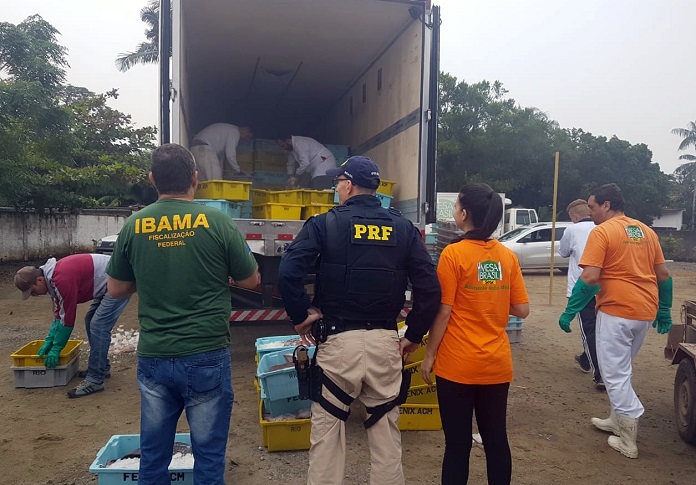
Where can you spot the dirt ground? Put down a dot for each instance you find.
(46, 438)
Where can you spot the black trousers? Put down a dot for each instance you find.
(588, 322)
(458, 402)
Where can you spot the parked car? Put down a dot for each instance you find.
(532, 245)
(106, 245)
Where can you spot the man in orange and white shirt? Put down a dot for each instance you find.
(624, 266)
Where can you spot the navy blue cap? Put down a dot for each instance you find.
(361, 171)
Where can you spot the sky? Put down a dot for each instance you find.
(619, 67)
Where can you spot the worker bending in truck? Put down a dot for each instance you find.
(216, 144)
(367, 255)
(179, 256)
(572, 246)
(308, 162)
(624, 266)
(69, 281)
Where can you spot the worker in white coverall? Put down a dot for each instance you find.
(214, 145)
(308, 161)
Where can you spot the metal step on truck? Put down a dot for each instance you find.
(356, 73)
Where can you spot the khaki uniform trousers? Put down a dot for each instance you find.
(367, 365)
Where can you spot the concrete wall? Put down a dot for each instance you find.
(30, 236)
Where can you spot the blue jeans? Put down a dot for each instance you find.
(199, 383)
(99, 321)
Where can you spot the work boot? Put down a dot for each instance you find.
(610, 425)
(625, 443)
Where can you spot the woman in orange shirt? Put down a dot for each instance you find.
(468, 348)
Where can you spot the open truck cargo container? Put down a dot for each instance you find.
(359, 73)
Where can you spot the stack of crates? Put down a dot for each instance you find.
(277, 204)
(225, 195)
(279, 394)
(421, 411)
(30, 371)
(315, 202)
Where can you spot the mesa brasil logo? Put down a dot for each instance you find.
(489, 272)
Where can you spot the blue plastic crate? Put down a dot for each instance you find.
(340, 152)
(514, 322)
(288, 405)
(281, 383)
(245, 209)
(230, 208)
(260, 342)
(120, 444)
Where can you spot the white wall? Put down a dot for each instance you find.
(670, 218)
(30, 236)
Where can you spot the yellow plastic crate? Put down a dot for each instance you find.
(419, 417)
(386, 187)
(419, 354)
(223, 189)
(422, 394)
(311, 197)
(415, 370)
(277, 211)
(285, 435)
(259, 196)
(313, 210)
(28, 355)
(285, 196)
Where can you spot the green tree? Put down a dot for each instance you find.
(686, 173)
(63, 147)
(146, 52)
(485, 136)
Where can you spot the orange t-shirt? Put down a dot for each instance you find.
(480, 280)
(627, 251)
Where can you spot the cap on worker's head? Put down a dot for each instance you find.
(361, 171)
(25, 279)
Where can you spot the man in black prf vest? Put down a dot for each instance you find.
(367, 255)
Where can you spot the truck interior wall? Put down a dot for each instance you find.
(280, 66)
(182, 93)
(374, 116)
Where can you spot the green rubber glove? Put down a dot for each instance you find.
(48, 342)
(579, 298)
(61, 338)
(663, 321)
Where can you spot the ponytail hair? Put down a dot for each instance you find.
(484, 206)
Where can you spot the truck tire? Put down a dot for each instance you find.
(685, 400)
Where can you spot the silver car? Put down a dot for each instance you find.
(532, 245)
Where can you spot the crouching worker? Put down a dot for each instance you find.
(72, 280)
(367, 254)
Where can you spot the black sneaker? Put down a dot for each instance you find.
(83, 373)
(583, 362)
(599, 384)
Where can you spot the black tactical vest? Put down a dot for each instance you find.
(362, 271)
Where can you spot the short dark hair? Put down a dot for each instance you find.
(612, 193)
(172, 169)
(485, 207)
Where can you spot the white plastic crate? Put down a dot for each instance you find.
(32, 377)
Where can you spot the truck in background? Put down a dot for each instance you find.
(513, 217)
(360, 73)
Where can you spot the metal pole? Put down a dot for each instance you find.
(553, 226)
(693, 205)
(165, 39)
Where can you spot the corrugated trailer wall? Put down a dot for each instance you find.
(380, 115)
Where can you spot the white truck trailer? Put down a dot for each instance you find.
(361, 73)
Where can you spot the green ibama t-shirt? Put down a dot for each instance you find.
(180, 255)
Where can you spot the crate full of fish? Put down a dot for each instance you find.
(119, 460)
(277, 375)
(268, 345)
